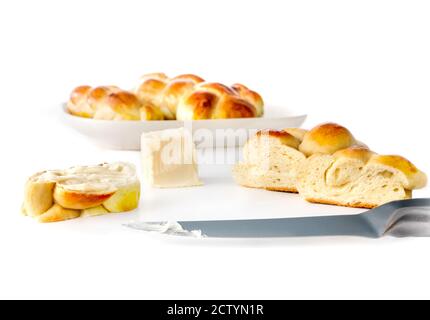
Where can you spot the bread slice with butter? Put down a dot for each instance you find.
(169, 159)
(83, 191)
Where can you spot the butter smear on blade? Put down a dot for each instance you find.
(168, 227)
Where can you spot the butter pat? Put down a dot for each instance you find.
(169, 159)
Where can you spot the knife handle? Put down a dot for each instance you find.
(401, 218)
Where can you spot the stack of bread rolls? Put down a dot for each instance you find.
(84, 191)
(326, 165)
(158, 97)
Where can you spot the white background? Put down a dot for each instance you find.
(365, 64)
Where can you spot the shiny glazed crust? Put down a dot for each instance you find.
(158, 97)
(214, 101)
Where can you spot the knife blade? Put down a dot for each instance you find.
(390, 219)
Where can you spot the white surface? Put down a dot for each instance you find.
(125, 135)
(364, 64)
(232, 201)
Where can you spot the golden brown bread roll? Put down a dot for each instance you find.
(84, 100)
(150, 113)
(327, 138)
(120, 105)
(214, 101)
(251, 96)
(110, 103)
(178, 88)
(78, 103)
(326, 165)
(157, 97)
(188, 97)
(164, 93)
(97, 95)
(150, 87)
(88, 191)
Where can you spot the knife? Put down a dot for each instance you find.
(402, 218)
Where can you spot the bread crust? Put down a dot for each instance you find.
(216, 88)
(150, 113)
(155, 75)
(78, 200)
(78, 103)
(276, 189)
(38, 197)
(190, 77)
(298, 133)
(355, 152)
(97, 96)
(251, 96)
(125, 104)
(415, 178)
(202, 104)
(340, 204)
(105, 103)
(57, 213)
(173, 93)
(282, 136)
(214, 101)
(150, 88)
(326, 139)
(283, 189)
(232, 107)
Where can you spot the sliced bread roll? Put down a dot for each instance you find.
(59, 195)
(357, 177)
(270, 160)
(273, 158)
(326, 165)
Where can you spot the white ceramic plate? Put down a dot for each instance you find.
(125, 135)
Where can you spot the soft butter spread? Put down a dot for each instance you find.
(101, 178)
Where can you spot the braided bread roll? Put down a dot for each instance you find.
(357, 177)
(214, 101)
(110, 103)
(158, 97)
(251, 96)
(165, 93)
(326, 165)
(59, 195)
(188, 97)
(84, 99)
